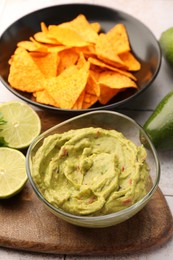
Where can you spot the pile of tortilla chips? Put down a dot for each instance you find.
(73, 65)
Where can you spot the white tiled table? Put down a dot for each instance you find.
(157, 15)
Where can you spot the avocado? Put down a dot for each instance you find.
(159, 125)
(166, 44)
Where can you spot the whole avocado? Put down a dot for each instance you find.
(159, 125)
(166, 44)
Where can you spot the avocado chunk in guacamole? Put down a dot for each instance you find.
(91, 171)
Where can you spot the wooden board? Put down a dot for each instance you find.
(26, 224)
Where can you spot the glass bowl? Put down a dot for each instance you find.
(107, 120)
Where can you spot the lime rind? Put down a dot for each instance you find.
(13, 174)
(23, 124)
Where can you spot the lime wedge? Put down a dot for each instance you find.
(23, 124)
(12, 172)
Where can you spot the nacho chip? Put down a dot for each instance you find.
(81, 25)
(92, 86)
(66, 88)
(24, 73)
(43, 37)
(103, 65)
(43, 47)
(67, 58)
(66, 36)
(44, 28)
(96, 26)
(106, 94)
(79, 102)
(118, 39)
(89, 100)
(111, 44)
(43, 97)
(81, 60)
(131, 62)
(88, 51)
(111, 83)
(92, 92)
(57, 48)
(106, 52)
(47, 63)
(17, 51)
(115, 80)
(31, 46)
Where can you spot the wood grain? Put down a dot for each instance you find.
(26, 224)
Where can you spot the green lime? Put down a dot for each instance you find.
(22, 124)
(12, 172)
(166, 44)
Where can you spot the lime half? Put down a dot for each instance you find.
(23, 124)
(12, 172)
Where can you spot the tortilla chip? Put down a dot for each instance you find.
(66, 36)
(57, 48)
(79, 102)
(131, 62)
(24, 73)
(96, 26)
(44, 98)
(17, 51)
(103, 65)
(44, 28)
(118, 39)
(92, 92)
(115, 80)
(67, 58)
(89, 100)
(95, 74)
(43, 47)
(81, 60)
(105, 52)
(88, 51)
(43, 37)
(66, 88)
(81, 25)
(92, 86)
(31, 46)
(111, 83)
(111, 44)
(47, 63)
(106, 94)
(91, 95)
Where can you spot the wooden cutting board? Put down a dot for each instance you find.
(26, 224)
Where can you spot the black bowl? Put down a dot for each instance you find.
(143, 44)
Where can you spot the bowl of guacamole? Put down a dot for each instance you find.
(92, 170)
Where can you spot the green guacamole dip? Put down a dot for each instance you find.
(91, 171)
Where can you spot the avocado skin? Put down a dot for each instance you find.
(159, 125)
(166, 44)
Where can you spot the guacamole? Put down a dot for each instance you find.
(91, 171)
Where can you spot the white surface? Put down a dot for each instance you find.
(157, 15)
